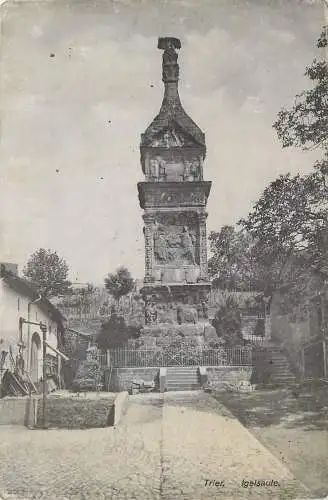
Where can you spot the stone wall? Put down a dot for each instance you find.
(76, 413)
(221, 375)
(121, 378)
(298, 314)
(14, 411)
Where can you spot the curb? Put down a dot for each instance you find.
(120, 404)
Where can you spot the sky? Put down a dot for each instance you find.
(80, 81)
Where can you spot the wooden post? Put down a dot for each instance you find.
(324, 359)
(325, 17)
(59, 371)
(44, 381)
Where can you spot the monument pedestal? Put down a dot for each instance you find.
(177, 312)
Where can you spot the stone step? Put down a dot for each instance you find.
(181, 374)
(283, 378)
(183, 378)
(192, 369)
(183, 387)
(282, 368)
(181, 370)
(182, 381)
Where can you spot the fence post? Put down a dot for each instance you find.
(324, 359)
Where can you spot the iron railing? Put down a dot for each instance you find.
(162, 357)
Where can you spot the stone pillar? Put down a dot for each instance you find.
(149, 246)
(203, 276)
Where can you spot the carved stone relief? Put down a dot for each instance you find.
(176, 197)
(174, 243)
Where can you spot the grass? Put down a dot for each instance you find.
(69, 413)
(292, 425)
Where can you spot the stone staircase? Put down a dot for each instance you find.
(272, 367)
(182, 378)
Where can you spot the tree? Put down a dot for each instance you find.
(115, 332)
(227, 322)
(289, 217)
(305, 125)
(47, 272)
(119, 283)
(232, 265)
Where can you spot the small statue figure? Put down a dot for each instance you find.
(162, 170)
(160, 247)
(196, 170)
(154, 169)
(205, 309)
(150, 314)
(187, 173)
(188, 245)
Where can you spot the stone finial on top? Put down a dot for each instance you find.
(168, 42)
(170, 57)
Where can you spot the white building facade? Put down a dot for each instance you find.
(20, 306)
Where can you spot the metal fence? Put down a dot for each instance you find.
(255, 339)
(163, 357)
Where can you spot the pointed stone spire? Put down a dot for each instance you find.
(171, 109)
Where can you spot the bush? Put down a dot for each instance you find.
(227, 322)
(89, 375)
(259, 329)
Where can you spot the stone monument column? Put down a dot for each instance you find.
(149, 220)
(174, 197)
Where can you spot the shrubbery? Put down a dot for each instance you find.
(228, 322)
(88, 377)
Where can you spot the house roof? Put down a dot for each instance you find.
(22, 286)
(79, 333)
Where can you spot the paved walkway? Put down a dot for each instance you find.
(165, 447)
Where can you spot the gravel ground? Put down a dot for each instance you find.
(166, 447)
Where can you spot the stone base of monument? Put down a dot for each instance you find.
(167, 333)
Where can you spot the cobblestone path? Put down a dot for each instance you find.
(202, 441)
(166, 447)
